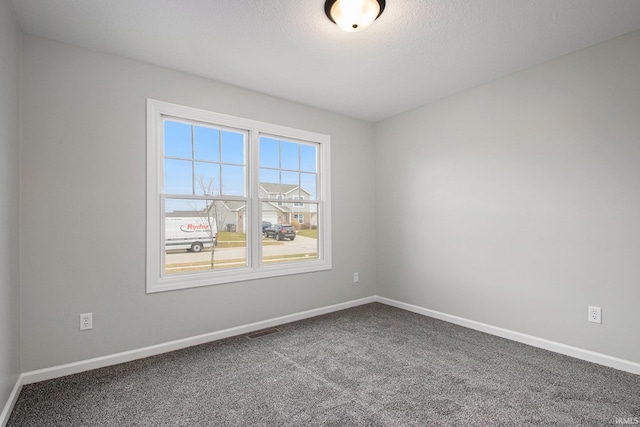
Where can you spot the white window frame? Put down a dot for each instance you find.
(298, 204)
(157, 281)
(297, 217)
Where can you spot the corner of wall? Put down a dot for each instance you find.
(10, 51)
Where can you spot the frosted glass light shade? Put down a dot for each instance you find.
(353, 15)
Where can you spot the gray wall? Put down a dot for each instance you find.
(521, 201)
(83, 208)
(9, 201)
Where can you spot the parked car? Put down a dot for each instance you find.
(265, 225)
(280, 231)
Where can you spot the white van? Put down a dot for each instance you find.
(190, 233)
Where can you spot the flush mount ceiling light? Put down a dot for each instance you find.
(353, 15)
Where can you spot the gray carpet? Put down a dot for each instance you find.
(372, 365)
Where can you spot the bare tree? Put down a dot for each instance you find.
(214, 213)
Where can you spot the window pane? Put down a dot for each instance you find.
(204, 235)
(289, 236)
(232, 180)
(308, 158)
(269, 152)
(207, 179)
(232, 147)
(290, 178)
(177, 139)
(309, 186)
(207, 144)
(269, 176)
(289, 155)
(178, 177)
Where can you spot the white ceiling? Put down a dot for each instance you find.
(417, 51)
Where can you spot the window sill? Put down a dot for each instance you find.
(208, 278)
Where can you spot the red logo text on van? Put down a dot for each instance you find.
(190, 228)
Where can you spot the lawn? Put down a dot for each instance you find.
(228, 239)
(227, 236)
(308, 233)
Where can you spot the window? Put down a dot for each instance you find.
(213, 180)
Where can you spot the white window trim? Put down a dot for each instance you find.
(155, 281)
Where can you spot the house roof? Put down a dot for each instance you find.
(275, 188)
(233, 205)
(181, 214)
(282, 208)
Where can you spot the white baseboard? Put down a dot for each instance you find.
(13, 398)
(578, 353)
(127, 356)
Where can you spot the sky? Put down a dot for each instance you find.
(206, 160)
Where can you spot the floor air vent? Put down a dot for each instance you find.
(264, 332)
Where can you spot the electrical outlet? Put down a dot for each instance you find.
(356, 277)
(595, 314)
(86, 321)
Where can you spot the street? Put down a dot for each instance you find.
(287, 249)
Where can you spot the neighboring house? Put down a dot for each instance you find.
(288, 210)
(230, 215)
(284, 212)
(233, 218)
